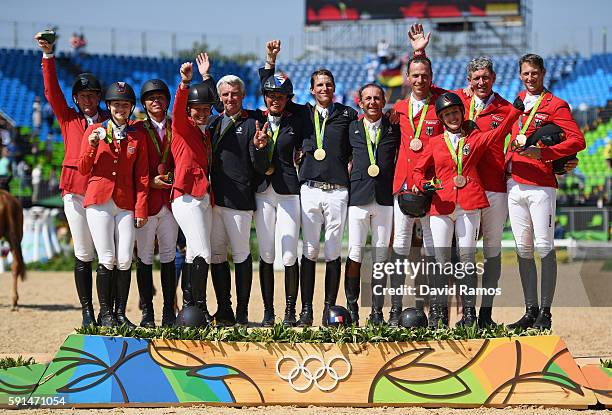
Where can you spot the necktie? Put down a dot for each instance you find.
(372, 129)
(324, 112)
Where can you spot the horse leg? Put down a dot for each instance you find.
(15, 293)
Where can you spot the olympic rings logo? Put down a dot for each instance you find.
(324, 371)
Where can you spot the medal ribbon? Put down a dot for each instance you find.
(109, 133)
(523, 128)
(273, 136)
(417, 132)
(319, 131)
(457, 156)
(153, 136)
(372, 152)
(473, 115)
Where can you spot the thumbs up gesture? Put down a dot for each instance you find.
(260, 140)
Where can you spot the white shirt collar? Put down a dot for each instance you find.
(454, 138)
(327, 110)
(202, 128)
(417, 104)
(530, 101)
(375, 124)
(92, 120)
(478, 101)
(119, 131)
(159, 126)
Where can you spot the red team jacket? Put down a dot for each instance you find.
(437, 155)
(157, 198)
(72, 124)
(491, 167)
(407, 158)
(191, 149)
(539, 172)
(120, 172)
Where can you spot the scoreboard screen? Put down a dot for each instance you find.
(318, 11)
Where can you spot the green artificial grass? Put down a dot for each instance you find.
(8, 362)
(282, 334)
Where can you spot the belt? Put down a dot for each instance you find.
(323, 185)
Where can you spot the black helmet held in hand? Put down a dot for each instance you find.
(447, 100)
(412, 317)
(550, 135)
(280, 83)
(120, 91)
(86, 82)
(201, 93)
(414, 205)
(154, 85)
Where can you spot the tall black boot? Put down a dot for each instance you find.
(266, 282)
(528, 319)
(144, 279)
(84, 285)
(490, 281)
(244, 280)
(352, 280)
(222, 284)
(379, 283)
(307, 285)
(124, 278)
(468, 319)
(199, 275)
(398, 278)
(332, 285)
(186, 285)
(104, 287)
(292, 282)
(168, 283)
(438, 284)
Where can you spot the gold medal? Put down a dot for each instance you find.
(270, 171)
(521, 139)
(460, 181)
(416, 144)
(373, 170)
(319, 154)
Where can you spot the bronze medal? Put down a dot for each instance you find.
(460, 181)
(161, 169)
(319, 154)
(416, 144)
(270, 171)
(373, 170)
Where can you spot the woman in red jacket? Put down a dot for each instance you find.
(191, 200)
(456, 207)
(115, 154)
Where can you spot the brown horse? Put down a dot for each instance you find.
(11, 229)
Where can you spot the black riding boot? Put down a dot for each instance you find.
(84, 285)
(168, 283)
(104, 287)
(266, 282)
(244, 280)
(292, 282)
(124, 278)
(379, 283)
(528, 319)
(352, 279)
(332, 285)
(307, 284)
(490, 281)
(144, 279)
(397, 280)
(199, 275)
(186, 285)
(222, 284)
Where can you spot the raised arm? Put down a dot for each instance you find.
(204, 68)
(418, 39)
(53, 92)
